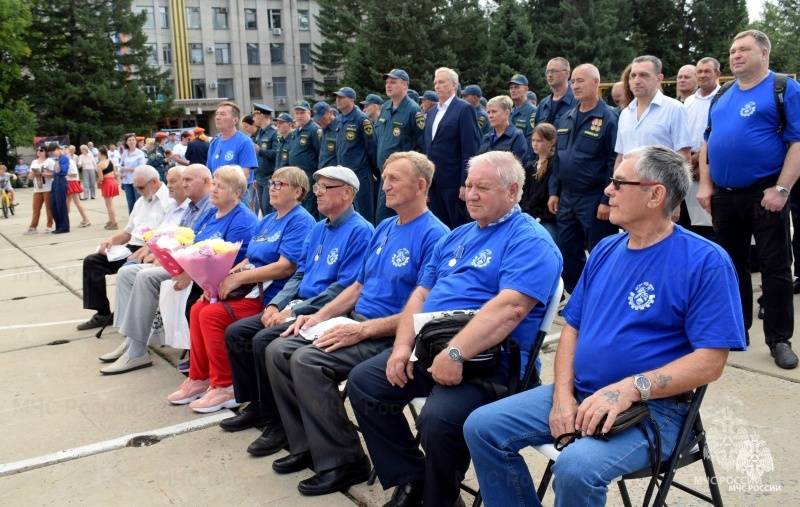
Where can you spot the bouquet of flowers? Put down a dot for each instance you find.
(208, 263)
(164, 241)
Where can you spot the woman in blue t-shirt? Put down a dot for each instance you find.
(271, 259)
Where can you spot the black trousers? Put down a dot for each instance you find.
(378, 407)
(246, 341)
(95, 268)
(445, 204)
(737, 215)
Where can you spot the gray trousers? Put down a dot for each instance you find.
(138, 290)
(89, 182)
(305, 382)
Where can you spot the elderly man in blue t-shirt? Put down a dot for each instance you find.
(305, 377)
(653, 317)
(503, 264)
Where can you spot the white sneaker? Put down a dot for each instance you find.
(31, 230)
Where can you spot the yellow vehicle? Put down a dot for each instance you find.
(5, 202)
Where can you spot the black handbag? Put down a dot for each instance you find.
(435, 336)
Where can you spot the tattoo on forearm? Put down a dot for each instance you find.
(611, 396)
(662, 380)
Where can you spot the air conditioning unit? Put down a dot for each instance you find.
(303, 66)
(210, 49)
(268, 84)
(281, 101)
(277, 31)
(223, 10)
(212, 85)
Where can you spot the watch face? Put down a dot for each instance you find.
(642, 383)
(454, 354)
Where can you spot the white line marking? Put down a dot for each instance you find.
(42, 324)
(37, 270)
(114, 444)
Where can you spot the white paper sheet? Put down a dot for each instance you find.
(315, 332)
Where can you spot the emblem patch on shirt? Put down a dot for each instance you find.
(367, 127)
(420, 120)
(401, 258)
(642, 296)
(228, 155)
(331, 146)
(483, 258)
(275, 237)
(748, 109)
(396, 132)
(333, 256)
(350, 135)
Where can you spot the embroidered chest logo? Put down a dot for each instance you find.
(275, 237)
(748, 110)
(228, 156)
(642, 296)
(483, 258)
(333, 256)
(401, 258)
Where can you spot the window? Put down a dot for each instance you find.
(166, 53)
(331, 80)
(250, 22)
(150, 22)
(279, 87)
(193, 18)
(308, 87)
(255, 87)
(276, 53)
(302, 20)
(274, 18)
(163, 15)
(220, 17)
(305, 53)
(152, 56)
(222, 54)
(196, 54)
(225, 88)
(199, 88)
(253, 57)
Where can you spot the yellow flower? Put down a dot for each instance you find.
(148, 235)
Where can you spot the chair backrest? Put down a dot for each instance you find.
(544, 328)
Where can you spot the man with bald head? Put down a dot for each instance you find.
(686, 82)
(587, 135)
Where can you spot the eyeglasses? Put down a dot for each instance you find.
(141, 188)
(321, 188)
(277, 184)
(553, 71)
(618, 183)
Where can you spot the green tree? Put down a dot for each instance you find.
(339, 22)
(512, 49)
(89, 71)
(781, 23)
(17, 123)
(709, 37)
(659, 27)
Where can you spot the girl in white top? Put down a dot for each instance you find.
(41, 190)
(74, 190)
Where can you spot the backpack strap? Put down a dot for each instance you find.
(780, 93)
(724, 88)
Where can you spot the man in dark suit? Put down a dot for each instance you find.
(451, 139)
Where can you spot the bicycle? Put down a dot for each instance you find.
(5, 202)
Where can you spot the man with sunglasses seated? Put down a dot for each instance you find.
(653, 317)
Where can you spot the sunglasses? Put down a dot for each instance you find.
(618, 183)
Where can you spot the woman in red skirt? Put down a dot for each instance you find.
(74, 191)
(107, 183)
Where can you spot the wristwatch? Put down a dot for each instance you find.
(642, 384)
(454, 354)
(782, 190)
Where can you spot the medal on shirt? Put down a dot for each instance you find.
(319, 251)
(459, 251)
(380, 247)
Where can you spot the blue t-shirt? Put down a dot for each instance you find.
(237, 225)
(274, 238)
(637, 310)
(333, 255)
(515, 253)
(236, 150)
(394, 263)
(743, 146)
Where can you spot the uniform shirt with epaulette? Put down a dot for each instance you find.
(267, 141)
(483, 121)
(524, 118)
(304, 144)
(327, 150)
(355, 144)
(401, 129)
(552, 111)
(282, 150)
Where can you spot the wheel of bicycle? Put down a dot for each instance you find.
(12, 210)
(5, 207)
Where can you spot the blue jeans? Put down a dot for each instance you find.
(131, 195)
(496, 433)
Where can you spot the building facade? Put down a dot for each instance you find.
(241, 50)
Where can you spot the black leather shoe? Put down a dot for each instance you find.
(250, 417)
(293, 463)
(336, 479)
(96, 321)
(760, 312)
(272, 440)
(784, 356)
(406, 495)
(797, 286)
